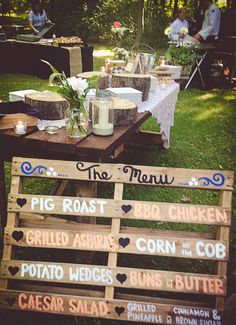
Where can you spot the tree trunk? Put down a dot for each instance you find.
(140, 22)
(176, 4)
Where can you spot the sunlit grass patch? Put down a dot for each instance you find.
(210, 113)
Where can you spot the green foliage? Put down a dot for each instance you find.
(181, 55)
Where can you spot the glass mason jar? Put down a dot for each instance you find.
(103, 113)
(76, 120)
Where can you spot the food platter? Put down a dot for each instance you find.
(69, 41)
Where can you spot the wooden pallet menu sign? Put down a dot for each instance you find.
(41, 221)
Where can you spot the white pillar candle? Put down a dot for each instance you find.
(103, 117)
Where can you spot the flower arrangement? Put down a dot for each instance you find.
(168, 31)
(121, 53)
(74, 90)
(118, 31)
(183, 30)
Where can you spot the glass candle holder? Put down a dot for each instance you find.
(52, 129)
(103, 113)
(20, 127)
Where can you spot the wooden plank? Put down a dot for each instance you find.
(12, 221)
(146, 138)
(109, 276)
(95, 293)
(115, 228)
(58, 223)
(118, 243)
(59, 142)
(7, 121)
(225, 200)
(105, 146)
(118, 173)
(104, 308)
(3, 199)
(86, 189)
(118, 151)
(59, 188)
(123, 209)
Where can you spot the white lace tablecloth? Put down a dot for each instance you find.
(161, 103)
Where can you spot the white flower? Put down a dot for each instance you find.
(193, 182)
(120, 51)
(79, 85)
(168, 31)
(183, 30)
(119, 30)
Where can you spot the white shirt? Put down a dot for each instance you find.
(211, 23)
(176, 26)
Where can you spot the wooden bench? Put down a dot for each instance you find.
(139, 272)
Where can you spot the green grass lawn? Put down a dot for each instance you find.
(203, 136)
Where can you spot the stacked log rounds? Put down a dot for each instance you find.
(140, 82)
(51, 105)
(104, 78)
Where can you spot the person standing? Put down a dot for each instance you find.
(37, 17)
(211, 23)
(180, 22)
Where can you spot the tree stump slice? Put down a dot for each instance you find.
(104, 78)
(51, 105)
(140, 82)
(125, 111)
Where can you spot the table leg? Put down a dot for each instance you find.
(198, 64)
(3, 200)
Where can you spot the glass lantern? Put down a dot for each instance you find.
(103, 113)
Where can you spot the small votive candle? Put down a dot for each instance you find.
(52, 129)
(20, 127)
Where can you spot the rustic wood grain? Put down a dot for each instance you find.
(120, 173)
(51, 105)
(140, 82)
(123, 209)
(122, 277)
(111, 242)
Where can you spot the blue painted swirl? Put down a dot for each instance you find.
(218, 179)
(27, 169)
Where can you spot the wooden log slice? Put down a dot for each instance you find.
(141, 82)
(104, 78)
(8, 120)
(51, 105)
(125, 111)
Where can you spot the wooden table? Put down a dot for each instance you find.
(71, 60)
(93, 148)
